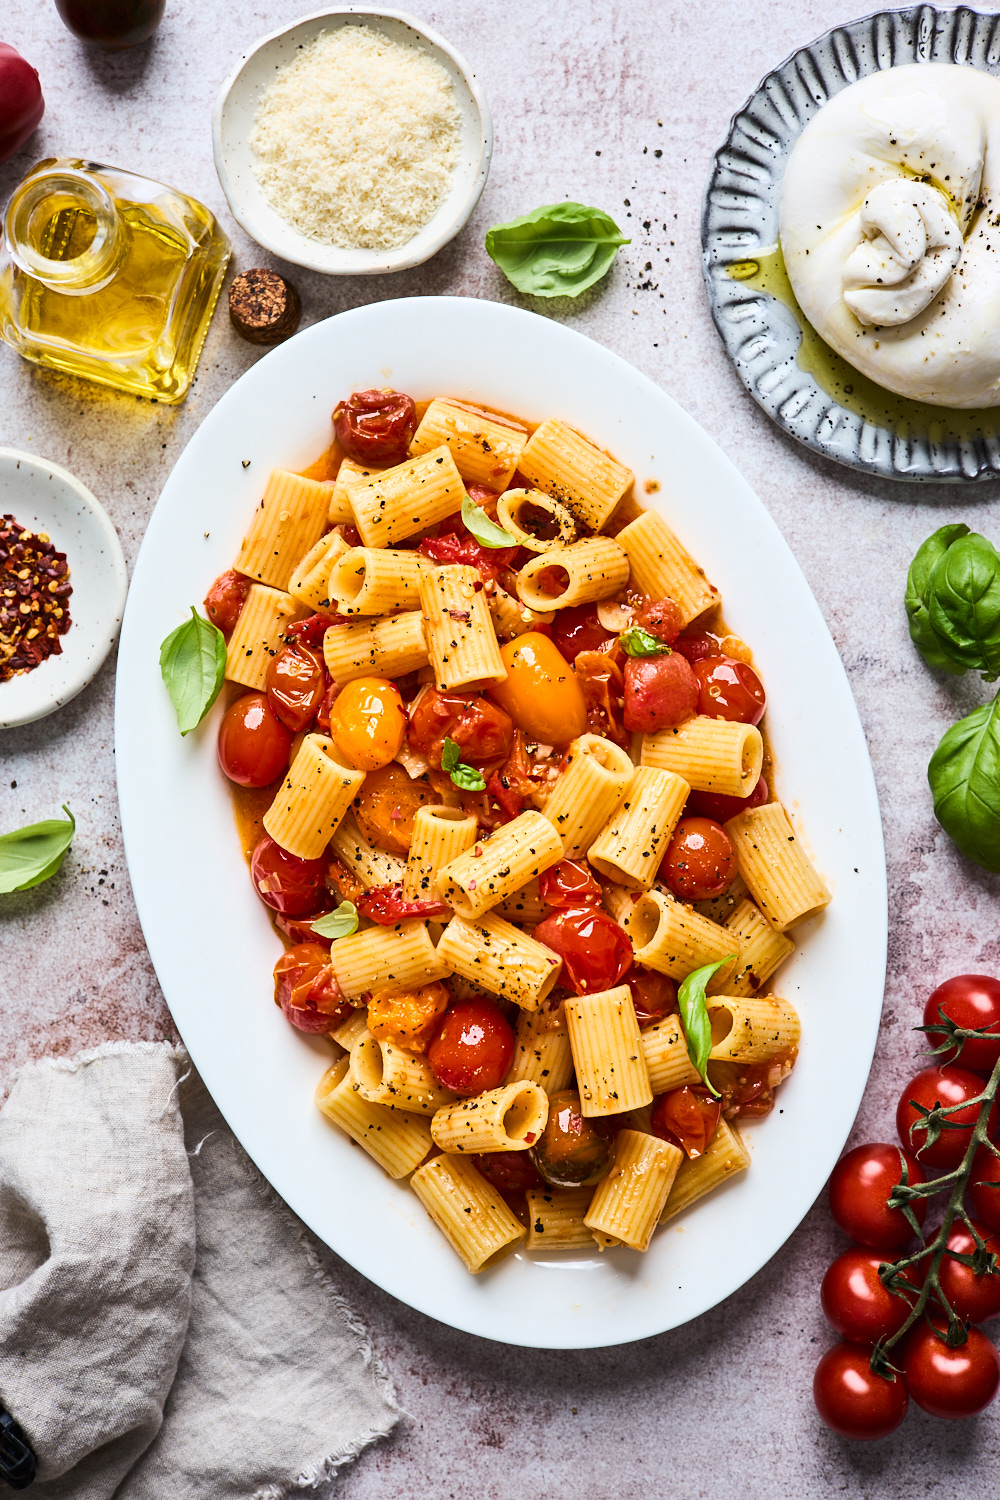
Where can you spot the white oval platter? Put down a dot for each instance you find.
(213, 946)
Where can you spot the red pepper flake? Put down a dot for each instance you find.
(34, 595)
(477, 852)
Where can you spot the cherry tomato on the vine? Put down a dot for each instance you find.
(700, 861)
(254, 745)
(729, 689)
(950, 1383)
(856, 1303)
(686, 1117)
(595, 951)
(569, 883)
(654, 995)
(473, 1047)
(720, 807)
(948, 1086)
(854, 1401)
(971, 1001)
(983, 1199)
(860, 1185)
(973, 1298)
(368, 723)
(285, 883)
(296, 682)
(375, 427)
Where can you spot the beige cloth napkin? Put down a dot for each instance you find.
(166, 1329)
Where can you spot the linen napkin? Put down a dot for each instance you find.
(166, 1328)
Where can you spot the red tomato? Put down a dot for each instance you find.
(854, 1401)
(700, 861)
(569, 883)
(578, 629)
(660, 691)
(483, 733)
(983, 1199)
(225, 599)
(971, 1001)
(287, 884)
(856, 1303)
(860, 1185)
(299, 929)
(473, 1047)
(973, 1298)
(947, 1086)
(254, 745)
(306, 990)
(312, 630)
(512, 784)
(729, 689)
(687, 1118)
(296, 682)
(23, 105)
(950, 1383)
(653, 995)
(510, 1171)
(573, 1148)
(720, 807)
(661, 618)
(460, 546)
(386, 906)
(595, 951)
(375, 427)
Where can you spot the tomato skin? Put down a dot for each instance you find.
(660, 691)
(700, 861)
(306, 990)
(686, 1117)
(483, 733)
(860, 1185)
(852, 1400)
(983, 1200)
(296, 683)
(540, 694)
(510, 1171)
(375, 427)
(572, 1149)
(971, 1001)
(578, 629)
(856, 1304)
(595, 951)
(569, 883)
(973, 1298)
(654, 995)
(661, 618)
(368, 723)
(409, 1018)
(225, 599)
(387, 804)
(720, 807)
(385, 905)
(254, 745)
(286, 884)
(729, 689)
(950, 1085)
(472, 1049)
(950, 1383)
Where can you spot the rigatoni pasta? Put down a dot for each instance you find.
(779, 876)
(574, 575)
(631, 844)
(396, 1141)
(661, 568)
(587, 481)
(485, 450)
(461, 640)
(712, 755)
(395, 504)
(498, 867)
(290, 519)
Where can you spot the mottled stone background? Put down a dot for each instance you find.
(583, 96)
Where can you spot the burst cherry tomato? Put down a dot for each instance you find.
(509, 1171)
(541, 693)
(595, 951)
(947, 1086)
(661, 618)
(700, 861)
(483, 733)
(983, 1199)
(729, 689)
(386, 905)
(720, 807)
(860, 1185)
(572, 1149)
(387, 804)
(458, 545)
(854, 1401)
(306, 990)
(578, 629)
(296, 682)
(686, 1117)
(225, 599)
(653, 995)
(473, 1048)
(971, 1001)
(973, 1298)
(254, 745)
(660, 691)
(287, 884)
(368, 722)
(569, 883)
(950, 1383)
(375, 427)
(856, 1303)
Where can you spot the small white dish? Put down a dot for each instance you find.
(46, 498)
(233, 123)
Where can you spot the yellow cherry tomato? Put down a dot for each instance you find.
(541, 692)
(367, 723)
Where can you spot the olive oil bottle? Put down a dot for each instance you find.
(109, 275)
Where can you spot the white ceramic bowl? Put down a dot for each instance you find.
(232, 126)
(45, 497)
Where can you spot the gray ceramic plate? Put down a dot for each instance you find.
(810, 391)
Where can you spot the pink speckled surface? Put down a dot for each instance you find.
(721, 1407)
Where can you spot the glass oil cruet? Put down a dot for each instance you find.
(109, 275)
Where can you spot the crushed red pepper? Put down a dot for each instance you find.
(34, 599)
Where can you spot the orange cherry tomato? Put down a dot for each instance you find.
(541, 694)
(368, 722)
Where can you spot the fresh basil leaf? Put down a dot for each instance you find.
(964, 775)
(483, 529)
(450, 755)
(339, 923)
(466, 777)
(963, 604)
(33, 854)
(638, 642)
(922, 633)
(556, 251)
(193, 664)
(694, 1017)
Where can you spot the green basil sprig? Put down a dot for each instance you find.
(953, 602)
(464, 776)
(964, 775)
(483, 529)
(193, 664)
(638, 642)
(556, 251)
(33, 854)
(339, 923)
(694, 1017)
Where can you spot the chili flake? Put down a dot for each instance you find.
(34, 598)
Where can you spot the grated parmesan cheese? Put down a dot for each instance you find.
(357, 140)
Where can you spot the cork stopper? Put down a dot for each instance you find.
(264, 308)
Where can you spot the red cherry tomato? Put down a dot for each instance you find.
(569, 883)
(458, 545)
(686, 1117)
(720, 807)
(312, 630)
(971, 1001)
(661, 618)
(860, 1185)
(509, 1171)
(660, 691)
(950, 1383)
(854, 1401)
(855, 1302)
(729, 689)
(947, 1086)
(299, 929)
(225, 599)
(578, 629)
(700, 861)
(983, 1199)
(375, 427)
(306, 990)
(385, 905)
(287, 884)
(653, 995)
(473, 1047)
(296, 682)
(973, 1298)
(595, 951)
(483, 733)
(254, 745)
(22, 103)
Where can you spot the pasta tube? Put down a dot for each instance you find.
(310, 581)
(510, 1118)
(382, 957)
(389, 648)
(396, 1141)
(662, 568)
(468, 1210)
(440, 834)
(497, 868)
(628, 1202)
(289, 521)
(664, 1048)
(258, 635)
(723, 1157)
(512, 618)
(779, 877)
(351, 1030)
(582, 477)
(494, 956)
(750, 1029)
(315, 795)
(375, 581)
(760, 950)
(540, 1056)
(525, 907)
(673, 939)
(573, 575)
(387, 1074)
(607, 1052)
(461, 640)
(340, 512)
(555, 1218)
(713, 755)
(485, 450)
(399, 502)
(587, 791)
(372, 867)
(536, 521)
(629, 848)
